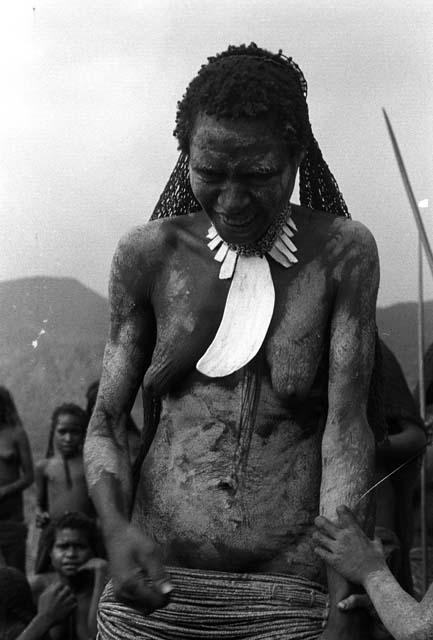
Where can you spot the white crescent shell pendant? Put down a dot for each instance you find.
(245, 322)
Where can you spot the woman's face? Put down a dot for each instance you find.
(70, 551)
(68, 435)
(241, 174)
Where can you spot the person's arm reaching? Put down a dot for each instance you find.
(409, 441)
(348, 442)
(127, 355)
(347, 549)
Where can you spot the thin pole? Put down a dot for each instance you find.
(413, 203)
(421, 388)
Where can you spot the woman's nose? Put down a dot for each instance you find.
(232, 198)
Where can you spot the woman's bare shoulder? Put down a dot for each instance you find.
(339, 234)
(150, 243)
(145, 250)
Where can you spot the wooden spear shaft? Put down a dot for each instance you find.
(413, 203)
(423, 244)
(421, 394)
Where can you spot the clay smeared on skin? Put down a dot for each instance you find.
(183, 500)
(101, 458)
(188, 507)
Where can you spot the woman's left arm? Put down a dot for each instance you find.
(348, 442)
(25, 459)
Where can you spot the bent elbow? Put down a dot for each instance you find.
(422, 629)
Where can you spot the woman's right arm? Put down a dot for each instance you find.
(133, 560)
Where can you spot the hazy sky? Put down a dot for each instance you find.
(89, 91)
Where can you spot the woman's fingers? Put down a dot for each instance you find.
(326, 526)
(346, 517)
(141, 592)
(355, 601)
(324, 554)
(323, 540)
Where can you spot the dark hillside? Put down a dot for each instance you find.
(52, 335)
(398, 328)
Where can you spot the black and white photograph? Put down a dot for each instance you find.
(216, 320)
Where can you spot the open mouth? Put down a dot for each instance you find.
(238, 223)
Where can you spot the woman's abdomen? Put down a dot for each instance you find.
(205, 509)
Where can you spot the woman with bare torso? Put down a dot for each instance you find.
(16, 474)
(250, 322)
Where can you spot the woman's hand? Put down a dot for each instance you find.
(138, 576)
(98, 565)
(356, 601)
(346, 548)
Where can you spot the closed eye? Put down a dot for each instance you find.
(208, 175)
(260, 176)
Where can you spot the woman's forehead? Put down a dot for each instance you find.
(217, 138)
(70, 534)
(211, 127)
(68, 420)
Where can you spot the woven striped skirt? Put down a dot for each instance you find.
(214, 604)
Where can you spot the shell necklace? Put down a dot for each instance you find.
(251, 297)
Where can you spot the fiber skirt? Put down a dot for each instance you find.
(216, 604)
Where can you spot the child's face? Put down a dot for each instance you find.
(70, 551)
(68, 435)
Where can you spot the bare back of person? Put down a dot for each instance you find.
(183, 500)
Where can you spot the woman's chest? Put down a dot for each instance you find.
(8, 450)
(63, 473)
(190, 310)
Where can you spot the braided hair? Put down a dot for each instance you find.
(68, 408)
(8, 411)
(247, 81)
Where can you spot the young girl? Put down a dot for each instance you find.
(60, 482)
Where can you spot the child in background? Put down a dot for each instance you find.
(72, 542)
(60, 481)
(19, 619)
